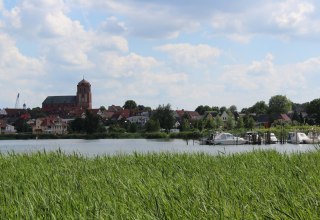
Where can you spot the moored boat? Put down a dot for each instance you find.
(298, 138)
(227, 139)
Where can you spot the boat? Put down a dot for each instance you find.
(273, 138)
(227, 139)
(298, 138)
(252, 137)
(314, 138)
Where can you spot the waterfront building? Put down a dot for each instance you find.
(82, 100)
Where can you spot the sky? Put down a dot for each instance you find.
(182, 52)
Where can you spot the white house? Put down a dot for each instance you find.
(10, 129)
(50, 126)
(224, 116)
(6, 128)
(3, 112)
(141, 120)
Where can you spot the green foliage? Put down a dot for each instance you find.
(279, 104)
(185, 125)
(218, 122)
(77, 125)
(22, 126)
(152, 126)
(130, 104)
(249, 122)
(313, 108)
(210, 124)
(164, 115)
(36, 113)
(202, 109)
(222, 109)
(230, 123)
(232, 108)
(133, 128)
(240, 123)
(266, 185)
(91, 123)
(259, 108)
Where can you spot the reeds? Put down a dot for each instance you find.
(260, 184)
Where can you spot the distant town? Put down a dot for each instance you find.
(74, 114)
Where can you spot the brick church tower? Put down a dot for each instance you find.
(84, 99)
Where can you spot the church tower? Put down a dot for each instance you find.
(84, 99)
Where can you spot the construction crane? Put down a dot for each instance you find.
(17, 105)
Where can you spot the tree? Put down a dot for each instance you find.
(152, 125)
(185, 125)
(91, 123)
(165, 116)
(210, 123)
(313, 109)
(249, 122)
(77, 125)
(102, 108)
(36, 113)
(218, 122)
(233, 108)
(22, 126)
(279, 104)
(259, 108)
(230, 123)
(202, 109)
(130, 104)
(240, 123)
(133, 128)
(222, 109)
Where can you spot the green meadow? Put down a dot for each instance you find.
(255, 185)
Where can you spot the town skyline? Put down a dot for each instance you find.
(186, 54)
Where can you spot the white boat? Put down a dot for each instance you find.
(314, 138)
(298, 138)
(273, 138)
(227, 139)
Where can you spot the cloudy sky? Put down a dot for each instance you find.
(186, 53)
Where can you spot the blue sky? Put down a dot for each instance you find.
(186, 53)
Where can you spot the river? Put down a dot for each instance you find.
(128, 146)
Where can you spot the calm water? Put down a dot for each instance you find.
(127, 146)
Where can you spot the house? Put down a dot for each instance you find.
(140, 120)
(121, 115)
(263, 120)
(50, 125)
(3, 113)
(224, 116)
(6, 128)
(114, 108)
(210, 115)
(191, 115)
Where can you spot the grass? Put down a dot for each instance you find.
(256, 185)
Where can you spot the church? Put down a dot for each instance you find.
(82, 100)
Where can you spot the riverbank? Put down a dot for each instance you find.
(260, 184)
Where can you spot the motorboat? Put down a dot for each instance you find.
(227, 139)
(298, 138)
(314, 138)
(273, 138)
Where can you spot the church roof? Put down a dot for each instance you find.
(83, 82)
(60, 100)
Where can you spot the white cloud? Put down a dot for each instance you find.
(291, 13)
(187, 54)
(130, 65)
